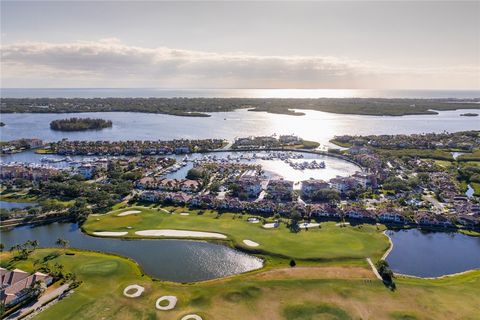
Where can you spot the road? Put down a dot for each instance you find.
(37, 304)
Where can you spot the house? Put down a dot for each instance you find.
(150, 196)
(14, 284)
(430, 219)
(343, 184)
(252, 186)
(288, 139)
(365, 180)
(469, 220)
(280, 190)
(187, 185)
(391, 215)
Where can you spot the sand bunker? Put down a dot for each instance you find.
(250, 243)
(309, 225)
(270, 225)
(172, 301)
(184, 214)
(138, 290)
(342, 224)
(126, 213)
(180, 234)
(191, 317)
(253, 220)
(110, 233)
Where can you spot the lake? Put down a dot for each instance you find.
(16, 205)
(172, 260)
(432, 254)
(314, 125)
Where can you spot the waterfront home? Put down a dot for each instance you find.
(15, 285)
(288, 139)
(391, 215)
(250, 185)
(309, 187)
(431, 219)
(365, 180)
(471, 221)
(343, 184)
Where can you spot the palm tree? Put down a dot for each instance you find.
(35, 244)
(62, 243)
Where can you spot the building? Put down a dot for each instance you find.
(343, 184)
(391, 215)
(280, 190)
(288, 139)
(15, 284)
(252, 186)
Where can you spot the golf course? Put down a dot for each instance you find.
(323, 291)
(328, 242)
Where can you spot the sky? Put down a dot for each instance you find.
(325, 45)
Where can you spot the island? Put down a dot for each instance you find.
(79, 124)
(469, 114)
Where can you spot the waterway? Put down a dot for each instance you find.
(314, 125)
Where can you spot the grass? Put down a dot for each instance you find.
(326, 243)
(421, 153)
(474, 156)
(251, 296)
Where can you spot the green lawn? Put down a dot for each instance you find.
(253, 296)
(328, 242)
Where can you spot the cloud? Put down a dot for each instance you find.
(111, 63)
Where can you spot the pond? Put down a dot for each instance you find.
(7, 205)
(172, 260)
(432, 254)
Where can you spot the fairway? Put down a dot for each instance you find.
(329, 242)
(253, 296)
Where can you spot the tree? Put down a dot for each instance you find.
(292, 263)
(62, 243)
(2, 246)
(326, 195)
(194, 174)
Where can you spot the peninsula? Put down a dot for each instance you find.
(201, 107)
